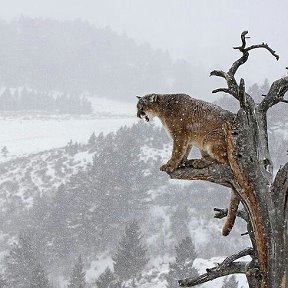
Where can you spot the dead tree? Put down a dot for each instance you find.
(250, 174)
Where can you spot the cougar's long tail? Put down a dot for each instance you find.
(231, 216)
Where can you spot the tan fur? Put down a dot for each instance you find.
(191, 122)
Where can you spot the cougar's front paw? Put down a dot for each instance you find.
(167, 168)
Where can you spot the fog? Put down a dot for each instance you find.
(202, 32)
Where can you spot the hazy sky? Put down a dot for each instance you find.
(202, 31)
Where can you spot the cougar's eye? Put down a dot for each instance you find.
(141, 106)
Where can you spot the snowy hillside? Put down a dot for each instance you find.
(25, 178)
(28, 176)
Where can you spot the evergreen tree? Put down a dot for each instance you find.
(86, 106)
(3, 282)
(230, 283)
(105, 279)
(179, 222)
(7, 101)
(77, 278)
(120, 195)
(39, 278)
(130, 258)
(183, 266)
(4, 151)
(20, 263)
(265, 86)
(92, 139)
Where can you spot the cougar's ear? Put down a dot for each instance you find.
(138, 97)
(153, 98)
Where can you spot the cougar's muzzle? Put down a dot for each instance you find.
(142, 115)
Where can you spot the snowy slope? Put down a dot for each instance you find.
(26, 177)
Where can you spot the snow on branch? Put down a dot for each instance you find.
(227, 267)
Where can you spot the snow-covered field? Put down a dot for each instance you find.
(26, 133)
(25, 136)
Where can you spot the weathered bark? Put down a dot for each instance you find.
(251, 176)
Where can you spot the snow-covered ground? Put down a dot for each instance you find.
(158, 268)
(25, 136)
(26, 133)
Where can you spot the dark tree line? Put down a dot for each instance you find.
(29, 100)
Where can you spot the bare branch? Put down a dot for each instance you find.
(243, 39)
(245, 52)
(225, 90)
(231, 82)
(218, 73)
(221, 213)
(275, 95)
(233, 257)
(284, 101)
(227, 267)
(232, 71)
(216, 272)
(265, 46)
(233, 87)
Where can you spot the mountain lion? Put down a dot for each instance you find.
(191, 122)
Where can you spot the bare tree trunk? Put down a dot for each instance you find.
(250, 174)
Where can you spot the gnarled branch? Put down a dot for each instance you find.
(214, 273)
(233, 87)
(275, 95)
(265, 46)
(227, 267)
(215, 173)
(225, 90)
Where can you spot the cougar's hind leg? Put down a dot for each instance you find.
(232, 211)
(215, 146)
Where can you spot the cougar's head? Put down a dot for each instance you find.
(146, 106)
